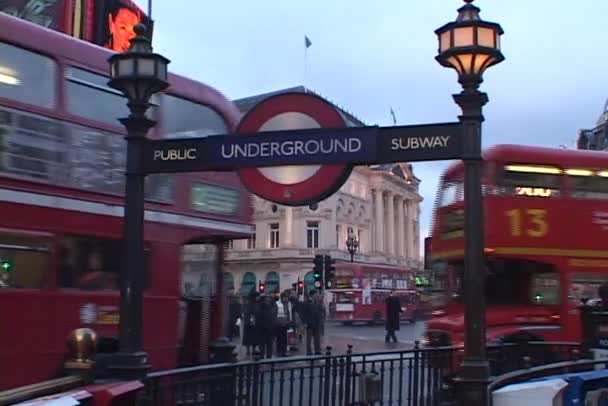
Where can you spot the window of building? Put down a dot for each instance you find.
(272, 282)
(312, 234)
(249, 283)
(183, 118)
(24, 260)
(274, 235)
(90, 263)
(27, 77)
(228, 282)
(338, 229)
(251, 240)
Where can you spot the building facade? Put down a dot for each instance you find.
(595, 139)
(378, 205)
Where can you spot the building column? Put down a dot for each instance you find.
(379, 220)
(390, 223)
(400, 246)
(410, 229)
(288, 229)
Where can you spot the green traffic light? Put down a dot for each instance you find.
(6, 265)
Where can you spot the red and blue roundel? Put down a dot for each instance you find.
(295, 185)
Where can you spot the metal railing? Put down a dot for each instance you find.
(420, 376)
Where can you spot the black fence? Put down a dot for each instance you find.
(419, 376)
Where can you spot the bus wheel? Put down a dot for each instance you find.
(377, 319)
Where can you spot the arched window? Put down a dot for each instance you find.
(309, 282)
(248, 283)
(272, 282)
(228, 282)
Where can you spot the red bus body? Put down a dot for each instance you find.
(41, 218)
(361, 289)
(546, 227)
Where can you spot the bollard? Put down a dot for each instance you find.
(82, 344)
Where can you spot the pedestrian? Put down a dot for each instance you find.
(392, 316)
(234, 311)
(602, 292)
(266, 323)
(250, 333)
(313, 317)
(284, 321)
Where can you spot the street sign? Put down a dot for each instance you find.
(355, 145)
(300, 183)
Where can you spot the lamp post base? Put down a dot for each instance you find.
(125, 366)
(472, 383)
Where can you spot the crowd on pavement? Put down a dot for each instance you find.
(269, 324)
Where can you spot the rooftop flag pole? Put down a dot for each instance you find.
(394, 118)
(307, 44)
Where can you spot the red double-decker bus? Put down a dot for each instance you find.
(62, 161)
(360, 291)
(546, 226)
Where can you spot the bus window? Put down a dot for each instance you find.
(183, 119)
(588, 185)
(89, 96)
(585, 287)
(27, 77)
(451, 192)
(24, 261)
(529, 180)
(90, 263)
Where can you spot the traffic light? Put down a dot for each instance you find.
(330, 271)
(6, 265)
(317, 271)
(300, 287)
(261, 287)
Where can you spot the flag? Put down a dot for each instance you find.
(307, 42)
(394, 118)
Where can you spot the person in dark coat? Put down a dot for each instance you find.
(250, 331)
(312, 314)
(393, 316)
(266, 317)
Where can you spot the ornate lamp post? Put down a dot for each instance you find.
(138, 73)
(352, 245)
(470, 45)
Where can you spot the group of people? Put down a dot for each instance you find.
(265, 321)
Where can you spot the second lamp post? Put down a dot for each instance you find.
(352, 245)
(470, 45)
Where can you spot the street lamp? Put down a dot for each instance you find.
(138, 73)
(352, 245)
(470, 46)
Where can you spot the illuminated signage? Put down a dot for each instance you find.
(114, 23)
(214, 199)
(533, 191)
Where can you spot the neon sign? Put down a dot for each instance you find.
(533, 191)
(121, 28)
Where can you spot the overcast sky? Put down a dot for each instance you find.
(369, 56)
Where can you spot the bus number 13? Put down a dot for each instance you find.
(532, 222)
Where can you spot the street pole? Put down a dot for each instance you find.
(131, 359)
(475, 372)
(470, 45)
(138, 74)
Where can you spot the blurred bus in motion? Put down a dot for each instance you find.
(62, 163)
